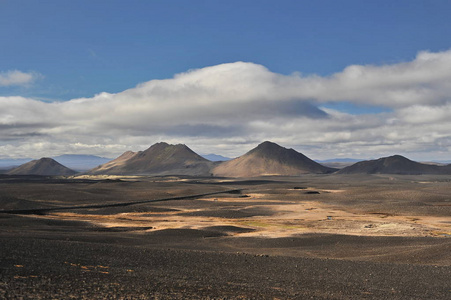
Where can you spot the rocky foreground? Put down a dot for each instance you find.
(49, 269)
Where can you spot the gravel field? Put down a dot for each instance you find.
(370, 237)
(49, 269)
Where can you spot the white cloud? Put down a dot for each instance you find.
(229, 108)
(16, 77)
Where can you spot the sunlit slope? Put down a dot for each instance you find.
(270, 159)
(159, 159)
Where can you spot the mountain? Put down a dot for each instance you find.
(159, 159)
(395, 164)
(270, 159)
(80, 162)
(215, 157)
(44, 166)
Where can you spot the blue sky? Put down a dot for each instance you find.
(56, 51)
(86, 47)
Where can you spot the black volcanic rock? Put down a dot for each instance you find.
(395, 164)
(270, 159)
(44, 166)
(159, 159)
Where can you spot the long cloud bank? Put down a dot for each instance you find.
(228, 108)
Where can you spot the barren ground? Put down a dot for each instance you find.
(324, 237)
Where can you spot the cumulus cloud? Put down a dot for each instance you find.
(229, 108)
(16, 77)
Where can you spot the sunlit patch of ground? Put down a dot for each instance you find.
(289, 218)
(106, 177)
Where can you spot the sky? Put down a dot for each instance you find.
(331, 79)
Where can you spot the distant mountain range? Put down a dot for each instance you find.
(266, 159)
(10, 163)
(338, 163)
(215, 157)
(81, 162)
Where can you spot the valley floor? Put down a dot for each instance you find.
(321, 237)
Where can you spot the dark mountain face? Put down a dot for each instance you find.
(395, 164)
(159, 159)
(270, 159)
(44, 166)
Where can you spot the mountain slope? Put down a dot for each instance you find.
(159, 159)
(395, 164)
(43, 166)
(270, 159)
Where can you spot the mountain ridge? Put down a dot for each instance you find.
(267, 158)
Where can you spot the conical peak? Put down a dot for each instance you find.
(159, 145)
(162, 151)
(267, 147)
(46, 161)
(273, 150)
(268, 144)
(395, 159)
(164, 145)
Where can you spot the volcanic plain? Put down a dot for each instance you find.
(322, 236)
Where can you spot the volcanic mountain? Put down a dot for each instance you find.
(159, 159)
(395, 164)
(44, 166)
(270, 159)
